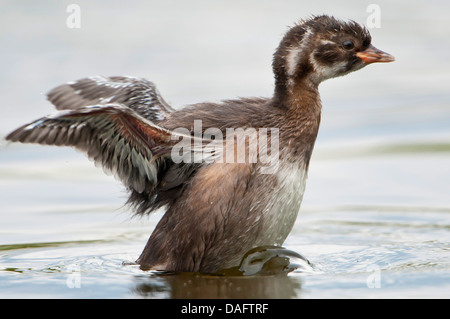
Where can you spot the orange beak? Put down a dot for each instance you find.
(372, 54)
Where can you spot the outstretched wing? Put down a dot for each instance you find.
(114, 136)
(138, 94)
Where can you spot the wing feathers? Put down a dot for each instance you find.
(113, 136)
(138, 94)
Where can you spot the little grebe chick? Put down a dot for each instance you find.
(215, 211)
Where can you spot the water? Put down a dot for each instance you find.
(375, 218)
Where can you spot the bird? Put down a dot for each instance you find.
(215, 210)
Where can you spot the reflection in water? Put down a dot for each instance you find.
(261, 274)
(196, 285)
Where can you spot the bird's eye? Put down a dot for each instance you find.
(348, 45)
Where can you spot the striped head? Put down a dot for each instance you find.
(322, 48)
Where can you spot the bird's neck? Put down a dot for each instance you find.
(300, 98)
(303, 106)
(303, 100)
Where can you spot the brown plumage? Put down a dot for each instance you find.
(215, 212)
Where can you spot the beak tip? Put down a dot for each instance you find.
(386, 57)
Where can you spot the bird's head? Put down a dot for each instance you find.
(321, 48)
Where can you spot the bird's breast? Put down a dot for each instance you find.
(283, 203)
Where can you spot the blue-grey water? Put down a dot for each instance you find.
(375, 220)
